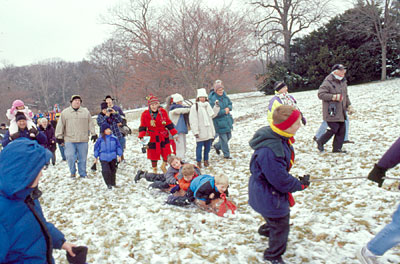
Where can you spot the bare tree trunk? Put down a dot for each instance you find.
(384, 54)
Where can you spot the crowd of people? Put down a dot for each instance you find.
(33, 140)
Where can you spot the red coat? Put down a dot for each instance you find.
(159, 144)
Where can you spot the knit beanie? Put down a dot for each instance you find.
(17, 103)
(285, 116)
(279, 85)
(20, 116)
(218, 86)
(177, 98)
(104, 105)
(152, 99)
(104, 126)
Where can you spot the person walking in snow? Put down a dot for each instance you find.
(223, 122)
(388, 237)
(176, 113)
(335, 102)
(282, 97)
(23, 131)
(113, 118)
(25, 235)
(154, 122)
(201, 123)
(48, 131)
(270, 183)
(109, 151)
(73, 129)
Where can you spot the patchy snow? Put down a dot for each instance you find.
(330, 221)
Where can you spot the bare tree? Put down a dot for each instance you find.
(109, 59)
(384, 16)
(281, 20)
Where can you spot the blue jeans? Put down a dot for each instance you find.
(76, 152)
(222, 144)
(122, 142)
(199, 147)
(324, 126)
(62, 148)
(388, 237)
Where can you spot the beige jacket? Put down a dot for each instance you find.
(199, 113)
(75, 126)
(329, 87)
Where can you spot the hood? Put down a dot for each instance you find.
(175, 106)
(265, 137)
(20, 163)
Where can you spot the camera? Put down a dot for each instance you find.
(332, 109)
(110, 110)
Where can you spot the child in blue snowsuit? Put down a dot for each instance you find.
(109, 151)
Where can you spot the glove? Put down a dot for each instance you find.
(303, 120)
(33, 132)
(94, 138)
(377, 174)
(337, 97)
(305, 181)
(60, 141)
(350, 110)
(196, 136)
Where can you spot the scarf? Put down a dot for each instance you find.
(205, 112)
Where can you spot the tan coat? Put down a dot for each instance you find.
(75, 126)
(329, 87)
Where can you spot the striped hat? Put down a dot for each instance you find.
(152, 99)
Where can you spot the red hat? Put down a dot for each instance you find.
(152, 99)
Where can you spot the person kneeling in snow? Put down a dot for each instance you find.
(270, 184)
(25, 235)
(109, 151)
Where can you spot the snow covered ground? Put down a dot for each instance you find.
(330, 221)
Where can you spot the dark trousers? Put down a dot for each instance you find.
(278, 237)
(152, 177)
(53, 158)
(334, 128)
(109, 169)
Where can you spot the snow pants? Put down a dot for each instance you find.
(278, 237)
(109, 170)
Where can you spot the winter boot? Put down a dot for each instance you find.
(206, 164)
(164, 167)
(140, 174)
(178, 200)
(159, 185)
(366, 256)
(264, 230)
(199, 164)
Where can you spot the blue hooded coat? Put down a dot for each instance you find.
(270, 180)
(25, 235)
(107, 149)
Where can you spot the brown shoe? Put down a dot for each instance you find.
(206, 164)
(199, 164)
(155, 170)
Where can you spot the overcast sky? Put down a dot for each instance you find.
(35, 30)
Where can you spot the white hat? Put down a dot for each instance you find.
(201, 93)
(177, 98)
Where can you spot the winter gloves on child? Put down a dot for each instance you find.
(80, 255)
(377, 174)
(305, 181)
(94, 138)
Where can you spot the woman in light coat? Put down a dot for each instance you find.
(201, 122)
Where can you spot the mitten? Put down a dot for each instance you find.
(94, 138)
(305, 181)
(80, 255)
(33, 132)
(377, 174)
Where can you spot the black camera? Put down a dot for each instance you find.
(110, 110)
(332, 109)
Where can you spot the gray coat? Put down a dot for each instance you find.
(329, 87)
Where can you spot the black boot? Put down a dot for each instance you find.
(140, 174)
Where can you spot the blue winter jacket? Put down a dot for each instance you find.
(270, 180)
(21, 237)
(223, 122)
(107, 149)
(41, 138)
(202, 186)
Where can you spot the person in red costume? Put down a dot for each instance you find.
(155, 123)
